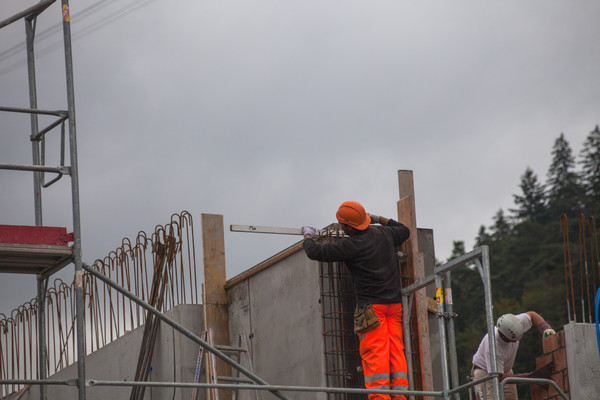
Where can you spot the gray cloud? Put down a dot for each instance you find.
(273, 113)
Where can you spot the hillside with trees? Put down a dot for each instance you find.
(527, 253)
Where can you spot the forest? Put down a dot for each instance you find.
(535, 264)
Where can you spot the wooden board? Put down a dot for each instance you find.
(416, 265)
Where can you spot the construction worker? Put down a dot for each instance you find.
(370, 255)
(508, 332)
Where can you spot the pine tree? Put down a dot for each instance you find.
(458, 249)
(501, 225)
(530, 204)
(565, 193)
(590, 161)
(482, 237)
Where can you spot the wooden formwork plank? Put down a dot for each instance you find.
(216, 315)
(416, 267)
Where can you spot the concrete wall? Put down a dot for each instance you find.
(174, 359)
(583, 361)
(278, 310)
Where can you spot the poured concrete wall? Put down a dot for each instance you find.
(583, 361)
(278, 310)
(174, 359)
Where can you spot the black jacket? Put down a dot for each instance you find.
(371, 258)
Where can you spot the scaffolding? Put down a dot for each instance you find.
(16, 257)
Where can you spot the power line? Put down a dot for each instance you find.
(53, 29)
(106, 20)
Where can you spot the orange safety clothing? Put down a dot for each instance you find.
(382, 352)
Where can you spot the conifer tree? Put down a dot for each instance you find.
(590, 161)
(482, 237)
(501, 225)
(458, 249)
(565, 193)
(531, 203)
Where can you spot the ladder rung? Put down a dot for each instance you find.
(230, 348)
(233, 379)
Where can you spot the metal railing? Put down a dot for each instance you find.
(441, 279)
(311, 389)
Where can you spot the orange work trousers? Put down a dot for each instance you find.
(382, 353)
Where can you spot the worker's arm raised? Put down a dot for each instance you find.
(378, 219)
(538, 321)
(308, 231)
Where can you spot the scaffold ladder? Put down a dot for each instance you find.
(211, 375)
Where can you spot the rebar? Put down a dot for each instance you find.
(585, 274)
(564, 228)
(108, 314)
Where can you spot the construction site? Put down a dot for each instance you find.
(158, 319)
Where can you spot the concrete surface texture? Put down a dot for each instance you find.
(278, 310)
(583, 361)
(174, 359)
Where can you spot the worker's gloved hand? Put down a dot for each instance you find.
(548, 332)
(308, 230)
(545, 329)
(374, 218)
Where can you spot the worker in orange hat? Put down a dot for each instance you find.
(369, 251)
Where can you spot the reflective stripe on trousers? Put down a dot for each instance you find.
(382, 352)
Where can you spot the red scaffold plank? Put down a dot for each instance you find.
(35, 235)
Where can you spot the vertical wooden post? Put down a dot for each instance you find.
(416, 269)
(214, 295)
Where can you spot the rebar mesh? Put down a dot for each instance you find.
(342, 359)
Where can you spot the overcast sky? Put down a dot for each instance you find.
(274, 112)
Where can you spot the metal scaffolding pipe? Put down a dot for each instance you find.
(66, 382)
(93, 382)
(406, 311)
(484, 269)
(452, 357)
(538, 381)
(77, 248)
(40, 168)
(450, 265)
(57, 113)
(31, 11)
(439, 288)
